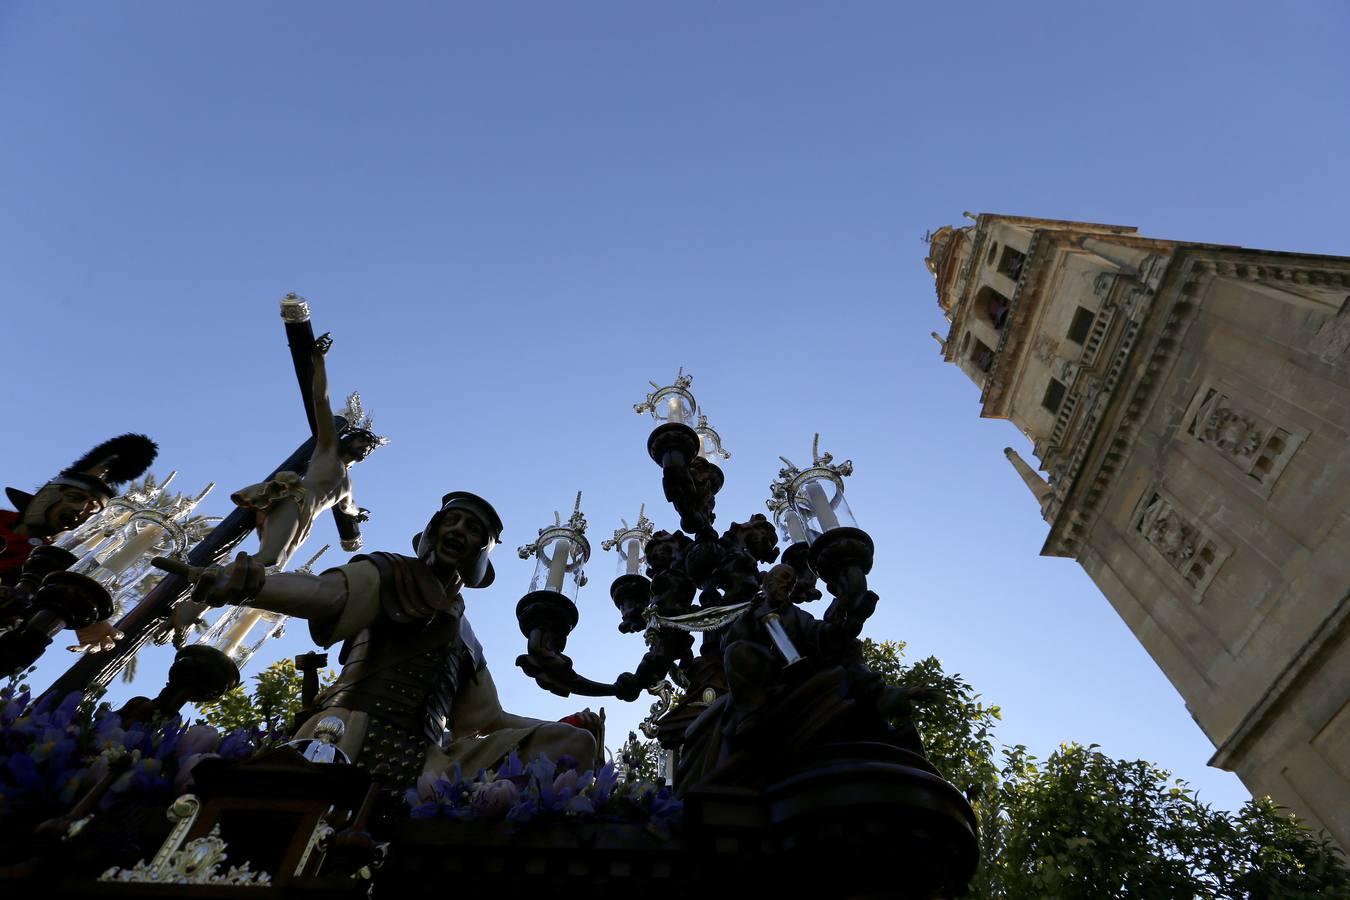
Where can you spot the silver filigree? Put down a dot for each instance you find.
(710, 442)
(710, 619)
(574, 530)
(639, 532)
(294, 308)
(787, 490)
(360, 420)
(662, 395)
(665, 698)
(199, 862)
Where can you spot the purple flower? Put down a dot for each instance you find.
(605, 779)
(182, 781)
(424, 790)
(494, 799)
(238, 744)
(512, 768)
(23, 770)
(197, 740)
(70, 705)
(524, 810)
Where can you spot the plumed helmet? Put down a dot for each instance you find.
(481, 573)
(101, 471)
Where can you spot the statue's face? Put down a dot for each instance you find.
(60, 507)
(460, 537)
(356, 447)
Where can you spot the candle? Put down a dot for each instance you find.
(634, 556)
(794, 527)
(244, 620)
(134, 548)
(676, 406)
(557, 566)
(820, 505)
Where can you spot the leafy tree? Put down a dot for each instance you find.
(639, 760)
(1083, 826)
(271, 708)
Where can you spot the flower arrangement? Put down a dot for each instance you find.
(518, 793)
(51, 753)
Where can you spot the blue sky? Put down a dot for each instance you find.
(511, 216)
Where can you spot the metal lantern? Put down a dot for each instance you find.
(710, 442)
(560, 554)
(806, 503)
(671, 403)
(630, 544)
(233, 633)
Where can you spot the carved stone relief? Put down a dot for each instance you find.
(1186, 545)
(1167, 531)
(1257, 447)
(1217, 424)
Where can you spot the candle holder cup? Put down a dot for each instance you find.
(631, 595)
(62, 600)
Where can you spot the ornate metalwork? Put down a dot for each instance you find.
(640, 532)
(198, 862)
(711, 440)
(294, 308)
(665, 699)
(360, 420)
(709, 619)
(787, 490)
(663, 395)
(320, 839)
(574, 531)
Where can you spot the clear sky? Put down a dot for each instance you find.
(511, 216)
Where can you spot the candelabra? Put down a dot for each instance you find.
(775, 699)
(63, 589)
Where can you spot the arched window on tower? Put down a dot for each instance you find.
(1011, 263)
(993, 306)
(981, 355)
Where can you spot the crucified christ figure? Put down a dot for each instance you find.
(287, 504)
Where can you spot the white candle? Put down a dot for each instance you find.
(134, 548)
(820, 505)
(795, 529)
(557, 566)
(676, 413)
(238, 633)
(633, 555)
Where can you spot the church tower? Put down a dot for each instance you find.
(1189, 407)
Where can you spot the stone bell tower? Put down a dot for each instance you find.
(1189, 405)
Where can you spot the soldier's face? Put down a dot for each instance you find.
(460, 537)
(70, 508)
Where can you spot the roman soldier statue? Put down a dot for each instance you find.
(415, 692)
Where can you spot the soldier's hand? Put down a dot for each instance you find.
(236, 583)
(96, 638)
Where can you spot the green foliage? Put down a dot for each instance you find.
(957, 729)
(1083, 826)
(271, 707)
(637, 759)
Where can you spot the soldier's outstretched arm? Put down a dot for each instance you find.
(245, 583)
